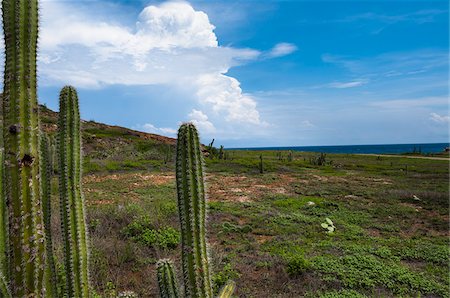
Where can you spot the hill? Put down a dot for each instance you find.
(108, 147)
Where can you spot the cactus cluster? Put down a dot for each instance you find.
(27, 265)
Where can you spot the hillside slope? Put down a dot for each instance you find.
(108, 147)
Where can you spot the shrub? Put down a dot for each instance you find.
(143, 232)
(297, 265)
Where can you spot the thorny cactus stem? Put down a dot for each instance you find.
(73, 218)
(227, 290)
(4, 289)
(3, 220)
(192, 212)
(21, 142)
(46, 176)
(167, 280)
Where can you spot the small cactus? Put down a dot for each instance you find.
(261, 165)
(227, 290)
(167, 280)
(73, 219)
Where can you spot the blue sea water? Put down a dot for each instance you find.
(363, 149)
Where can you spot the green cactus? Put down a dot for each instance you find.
(227, 290)
(21, 143)
(72, 206)
(167, 280)
(221, 152)
(46, 176)
(192, 212)
(261, 165)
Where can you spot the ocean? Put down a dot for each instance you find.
(362, 149)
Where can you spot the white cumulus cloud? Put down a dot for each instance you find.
(225, 95)
(170, 44)
(200, 120)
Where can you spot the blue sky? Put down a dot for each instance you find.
(255, 73)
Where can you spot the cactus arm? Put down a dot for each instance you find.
(72, 202)
(192, 212)
(227, 290)
(21, 142)
(167, 283)
(46, 176)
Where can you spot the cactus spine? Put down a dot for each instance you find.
(21, 142)
(71, 199)
(167, 282)
(46, 176)
(192, 212)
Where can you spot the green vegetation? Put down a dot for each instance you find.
(143, 232)
(265, 230)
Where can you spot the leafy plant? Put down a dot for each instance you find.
(328, 225)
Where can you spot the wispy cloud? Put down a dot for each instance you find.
(307, 124)
(345, 85)
(411, 103)
(419, 17)
(282, 49)
(150, 128)
(439, 118)
(392, 64)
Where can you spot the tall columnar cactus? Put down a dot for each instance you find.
(167, 280)
(71, 199)
(192, 212)
(21, 142)
(46, 176)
